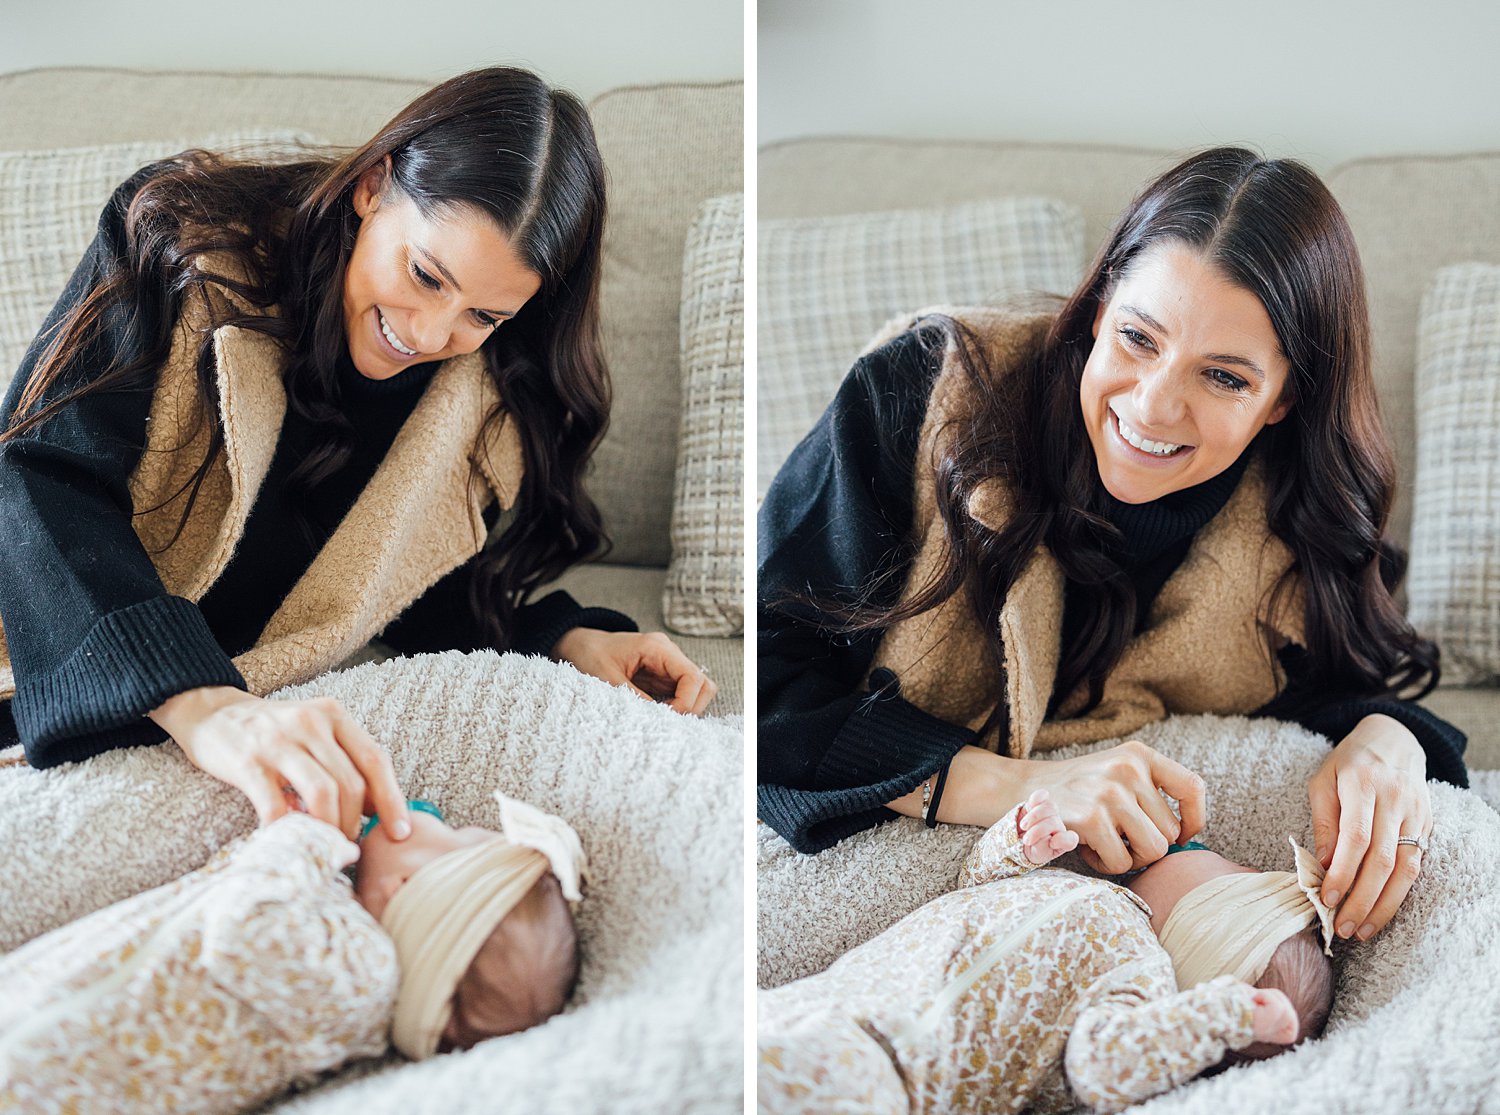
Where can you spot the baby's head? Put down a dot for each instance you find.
(1236, 940)
(482, 922)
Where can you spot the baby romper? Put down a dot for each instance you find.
(212, 993)
(1025, 988)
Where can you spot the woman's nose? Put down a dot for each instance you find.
(430, 332)
(1158, 399)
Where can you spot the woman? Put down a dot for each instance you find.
(276, 413)
(1168, 496)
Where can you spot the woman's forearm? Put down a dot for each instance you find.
(981, 788)
(180, 715)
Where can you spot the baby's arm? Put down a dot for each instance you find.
(1030, 835)
(1125, 1049)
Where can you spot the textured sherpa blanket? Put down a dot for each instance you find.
(1416, 1018)
(657, 1021)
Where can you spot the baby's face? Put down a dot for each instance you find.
(1172, 876)
(384, 864)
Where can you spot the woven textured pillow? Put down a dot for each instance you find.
(826, 284)
(704, 592)
(49, 210)
(1454, 578)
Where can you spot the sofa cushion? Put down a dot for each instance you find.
(1454, 577)
(825, 284)
(1412, 215)
(49, 210)
(668, 147)
(705, 582)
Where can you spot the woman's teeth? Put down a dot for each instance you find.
(385, 327)
(1155, 448)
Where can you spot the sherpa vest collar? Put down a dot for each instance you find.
(1204, 646)
(417, 519)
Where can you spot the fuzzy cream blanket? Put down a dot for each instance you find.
(657, 1022)
(1416, 1017)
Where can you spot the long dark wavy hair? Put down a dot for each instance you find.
(1272, 228)
(498, 141)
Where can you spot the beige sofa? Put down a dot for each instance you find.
(1410, 215)
(667, 148)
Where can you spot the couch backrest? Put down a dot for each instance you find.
(667, 148)
(1410, 215)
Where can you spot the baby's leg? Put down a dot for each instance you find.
(1043, 834)
(824, 1062)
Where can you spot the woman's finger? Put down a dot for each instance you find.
(330, 754)
(264, 791)
(383, 796)
(1356, 826)
(1375, 871)
(1110, 853)
(314, 785)
(1403, 878)
(1323, 800)
(1155, 807)
(1184, 786)
(705, 695)
(1147, 844)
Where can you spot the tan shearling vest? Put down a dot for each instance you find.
(417, 519)
(1204, 646)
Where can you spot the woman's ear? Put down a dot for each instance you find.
(371, 187)
(1280, 411)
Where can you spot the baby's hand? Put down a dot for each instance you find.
(1275, 1017)
(1043, 835)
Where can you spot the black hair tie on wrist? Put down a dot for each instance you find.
(937, 795)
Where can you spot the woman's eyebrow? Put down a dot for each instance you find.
(438, 264)
(1216, 357)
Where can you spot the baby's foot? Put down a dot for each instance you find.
(1044, 837)
(1275, 1017)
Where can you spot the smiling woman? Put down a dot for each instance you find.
(1167, 493)
(278, 411)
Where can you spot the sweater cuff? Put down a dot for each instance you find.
(884, 751)
(128, 664)
(540, 625)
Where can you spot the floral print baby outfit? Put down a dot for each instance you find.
(212, 993)
(1025, 989)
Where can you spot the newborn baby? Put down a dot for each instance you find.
(1041, 990)
(265, 968)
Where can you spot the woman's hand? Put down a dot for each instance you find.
(262, 747)
(1370, 790)
(1098, 796)
(650, 665)
(1112, 800)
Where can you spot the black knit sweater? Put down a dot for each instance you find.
(838, 516)
(94, 639)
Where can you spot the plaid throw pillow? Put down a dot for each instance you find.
(826, 284)
(704, 592)
(1454, 578)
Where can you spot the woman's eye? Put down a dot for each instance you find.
(1135, 338)
(486, 321)
(1227, 379)
(424, 278)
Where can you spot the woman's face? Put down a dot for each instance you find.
(419, 289)
(1184, 372)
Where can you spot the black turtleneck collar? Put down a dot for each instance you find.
(357, 388)
(1149, 530)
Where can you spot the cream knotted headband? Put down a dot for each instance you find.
(1232, 924)
(441, 916)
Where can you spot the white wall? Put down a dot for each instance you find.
(586, 46)
(1321, 80)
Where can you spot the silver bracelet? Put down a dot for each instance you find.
(926, 796)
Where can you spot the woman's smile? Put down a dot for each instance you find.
(399, 348)
(1151, 451)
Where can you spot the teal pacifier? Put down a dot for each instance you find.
(1190, 846)
(415, 804)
